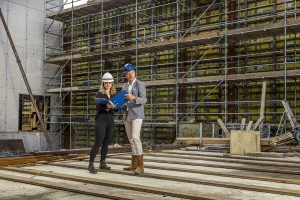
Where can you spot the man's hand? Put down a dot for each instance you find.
(129, 96)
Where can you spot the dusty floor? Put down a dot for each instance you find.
(13, 190)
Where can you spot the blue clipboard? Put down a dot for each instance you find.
(119, 99)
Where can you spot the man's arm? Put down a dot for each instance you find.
(141, 98)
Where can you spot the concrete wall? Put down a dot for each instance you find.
(32, 140)
(26, 22)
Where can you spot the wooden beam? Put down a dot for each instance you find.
(266, 154)
(248, 128)
(264, 141)
(258, 169)
(197, 181)
(229, 160)
(205, 140)
(243, 124)
(68, 187)
(117, 184)
(263, 102)
(258, 122)
(224, 128)
(233, 157)
(34, 159)
(215, 173)
(81, 152)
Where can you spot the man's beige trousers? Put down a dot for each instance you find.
(133, 129)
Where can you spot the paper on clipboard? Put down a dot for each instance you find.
(119, 99)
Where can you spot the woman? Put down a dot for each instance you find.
(104, 123)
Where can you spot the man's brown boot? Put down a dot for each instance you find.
(133, 164)
(140, 165)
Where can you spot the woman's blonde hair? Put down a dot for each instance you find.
(113, 90)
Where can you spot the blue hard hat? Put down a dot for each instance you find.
(128, 67)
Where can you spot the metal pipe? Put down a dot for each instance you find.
(285, 51)
(177, 70)
(136, 36)
(71, 77)
(226, 64)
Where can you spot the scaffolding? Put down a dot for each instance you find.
(200, 61)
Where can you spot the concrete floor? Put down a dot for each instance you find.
(11, 190)
(34, 192)
(15, 191)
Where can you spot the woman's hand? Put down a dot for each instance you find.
(110, 105)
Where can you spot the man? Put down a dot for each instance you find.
(133, 117)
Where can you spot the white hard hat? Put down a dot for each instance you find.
(107, 77)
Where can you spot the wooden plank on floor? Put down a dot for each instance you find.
(195, 180)
(67, 187)
(266, 154)
(225, 159)
(214, 173)
(233, 157)
(205, 140)
(227, 166)
(122, 185)
(32, 159)
(280, 160)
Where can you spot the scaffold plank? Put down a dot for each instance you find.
(195, 40)
(207, 79)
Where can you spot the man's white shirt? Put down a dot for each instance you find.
(130, 86)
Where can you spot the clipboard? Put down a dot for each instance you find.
(119, 99)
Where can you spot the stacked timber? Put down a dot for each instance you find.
(206, 141)
(266, 143)
(283, 139)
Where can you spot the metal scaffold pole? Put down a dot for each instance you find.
(177, 71)
(71, 82)
(226, 63)
(44, 128)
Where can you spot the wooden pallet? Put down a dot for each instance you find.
(283, 139)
